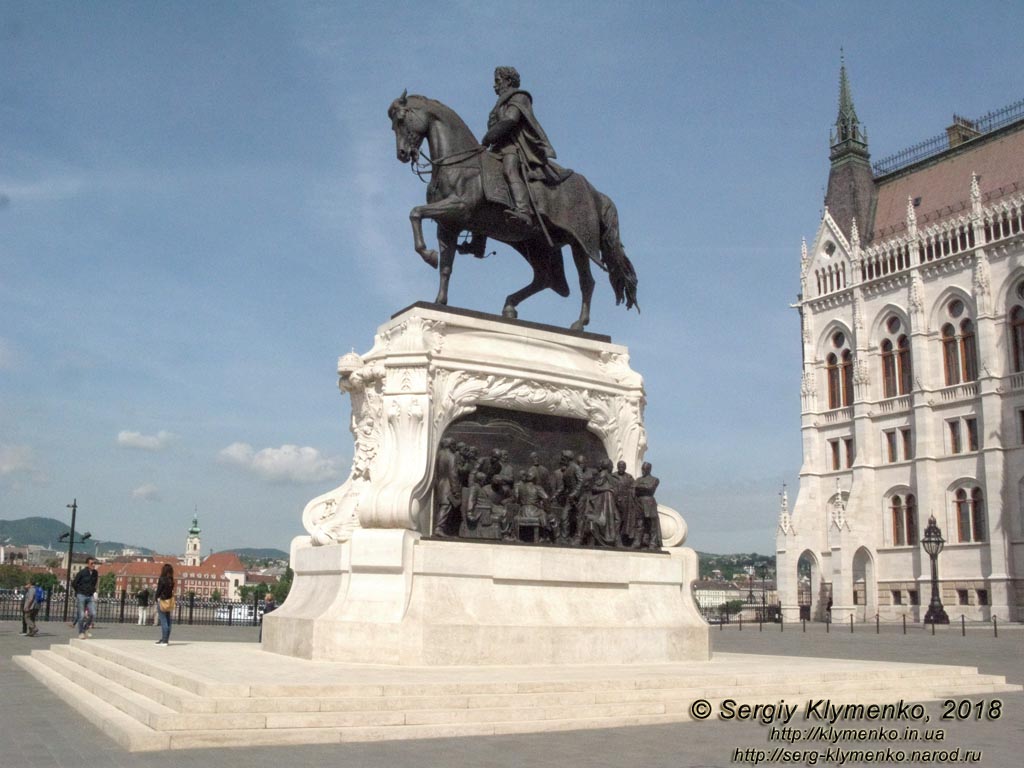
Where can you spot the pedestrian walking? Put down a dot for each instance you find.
(165, 603)
(85, 584)
(143, 599)
(30, 609)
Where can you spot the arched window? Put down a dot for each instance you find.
(970, 515)
(950, 355)
(1017, 337)
(903, 515)
(910, 516)
(839, 369)
(832, 366)
(903, 364)
(969, 350)
(899, 534)
(896, 373)
(959, 345)
(889, 387)
(847, 368)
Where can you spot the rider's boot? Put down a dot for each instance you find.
(521, 199)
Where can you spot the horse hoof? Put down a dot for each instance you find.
(430, 257)
(579, 325)
(510, 312)
(442, 300)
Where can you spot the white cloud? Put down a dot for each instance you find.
(287, 464)
(17, 460)
(157, 442)
(146, 492)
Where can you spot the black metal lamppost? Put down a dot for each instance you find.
(764, 591)
(70, 538)
(933, 544)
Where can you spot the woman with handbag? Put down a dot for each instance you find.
(165, 602)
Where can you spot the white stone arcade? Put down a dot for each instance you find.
(368, 588)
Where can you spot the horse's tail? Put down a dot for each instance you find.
(621, 274)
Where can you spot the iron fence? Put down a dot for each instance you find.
(125, 610)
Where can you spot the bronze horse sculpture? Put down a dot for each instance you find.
(463, 196)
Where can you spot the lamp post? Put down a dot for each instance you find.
(933, 543)
(764, 588)
(70, 537)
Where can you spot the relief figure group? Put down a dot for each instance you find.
(575, 504)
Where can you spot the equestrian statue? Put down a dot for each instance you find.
(508, 187)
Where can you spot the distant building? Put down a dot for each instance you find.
(193, 545)
(222, 572)
(912, 396)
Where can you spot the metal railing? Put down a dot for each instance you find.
(938, 144)
(125, 610)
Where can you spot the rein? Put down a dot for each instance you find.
(427, 168)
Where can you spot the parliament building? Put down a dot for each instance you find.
(911, 312)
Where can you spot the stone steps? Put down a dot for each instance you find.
(210, 694)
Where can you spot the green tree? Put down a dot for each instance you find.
(283, 587)
(47, 581)
(215, 596)
(731, 608)
(11, 576)
(108, 582)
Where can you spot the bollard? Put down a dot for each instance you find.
(760, 620)
(782, 623)
(191, 606)
(995, 626)
(828, 622)
(904, 623)
(933, 628)
(805, 626)
(851, 623)
(741, 622)
(877, 630)
(963, 626)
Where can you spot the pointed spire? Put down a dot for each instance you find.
(854, 233)
(848, 133)
(911, 217)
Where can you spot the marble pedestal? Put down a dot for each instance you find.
(369, 588)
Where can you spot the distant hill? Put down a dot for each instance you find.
(730, 565)
(255, 553)
(46, 532)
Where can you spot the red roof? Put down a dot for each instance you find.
(944, 185)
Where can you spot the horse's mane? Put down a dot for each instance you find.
(443, 111)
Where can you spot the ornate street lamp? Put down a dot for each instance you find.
(70, 538)
(933, 544)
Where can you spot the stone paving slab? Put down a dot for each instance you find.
(38, 730)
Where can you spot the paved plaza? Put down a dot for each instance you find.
(39, 730)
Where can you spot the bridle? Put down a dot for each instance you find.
(424, 169)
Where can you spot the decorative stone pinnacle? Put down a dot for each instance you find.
(854, 233)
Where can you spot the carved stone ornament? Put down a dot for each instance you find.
(916, 299)
(428, 368)
(982, 282)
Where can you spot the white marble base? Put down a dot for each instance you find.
(389, 597)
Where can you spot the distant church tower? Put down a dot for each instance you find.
(193, 547)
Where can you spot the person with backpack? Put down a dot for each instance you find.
(30, 608)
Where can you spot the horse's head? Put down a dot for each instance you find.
(409, 121)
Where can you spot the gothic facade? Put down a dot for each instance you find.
(912, 398)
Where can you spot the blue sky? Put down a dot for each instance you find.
(201, 209)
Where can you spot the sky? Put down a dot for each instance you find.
(201, 210)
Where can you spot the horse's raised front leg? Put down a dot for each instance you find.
(452, 204)
(447, 237)
(586, 287)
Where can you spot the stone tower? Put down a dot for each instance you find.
(193, 546)
(851, 186)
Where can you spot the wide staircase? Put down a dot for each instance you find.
(193, 695)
